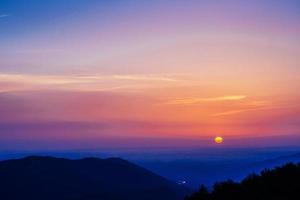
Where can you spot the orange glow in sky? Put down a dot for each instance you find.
(160, 69)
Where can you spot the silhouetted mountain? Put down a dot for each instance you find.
(49, 178)
(276, 184)
(277, 161)
(232, 164)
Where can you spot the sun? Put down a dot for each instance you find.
(218, 140)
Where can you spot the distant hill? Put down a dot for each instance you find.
(49, 178)
(276, 184)
(202, 170)
(270, 163)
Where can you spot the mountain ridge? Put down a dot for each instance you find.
(38, 177)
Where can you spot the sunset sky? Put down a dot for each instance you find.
(95, 73)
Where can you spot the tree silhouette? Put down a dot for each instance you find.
(202, 193)
(276, 184)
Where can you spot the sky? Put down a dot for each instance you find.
(135, 73)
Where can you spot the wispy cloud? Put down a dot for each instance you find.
(257, 103)
(4, 15)
(146, 78)
(21, 82)
(225, 98)
(232, 112)
(187, 101)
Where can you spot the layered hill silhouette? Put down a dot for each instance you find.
(276, 184)
(48, 178)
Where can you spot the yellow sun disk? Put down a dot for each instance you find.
(218, 140)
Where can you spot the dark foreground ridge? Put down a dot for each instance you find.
(48, 178)
(276, 184)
